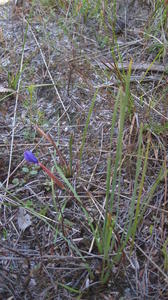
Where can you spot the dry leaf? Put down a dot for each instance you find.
(24, 219)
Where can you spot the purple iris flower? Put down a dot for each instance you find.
(29, 156)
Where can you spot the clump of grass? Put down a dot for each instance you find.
(104, 230)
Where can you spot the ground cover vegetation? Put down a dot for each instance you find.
(83, 149)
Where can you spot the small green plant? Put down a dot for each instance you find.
(157, 128)
(4, 234)
(13, 80)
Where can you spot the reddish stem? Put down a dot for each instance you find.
(52, 176)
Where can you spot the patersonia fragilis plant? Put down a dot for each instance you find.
(30, 157)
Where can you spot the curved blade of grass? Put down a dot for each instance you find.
(68, 288)
(148, 69)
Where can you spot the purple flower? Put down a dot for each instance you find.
(29, 156)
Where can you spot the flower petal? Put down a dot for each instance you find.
(29, 156)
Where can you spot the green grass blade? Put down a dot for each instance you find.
(111, 141)
(148, 198)
(134, 227)
(108, 237)
(69, 288)
(148, 69)
(124, 98)
(86, 125)
(70, 154)
(133, 199)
